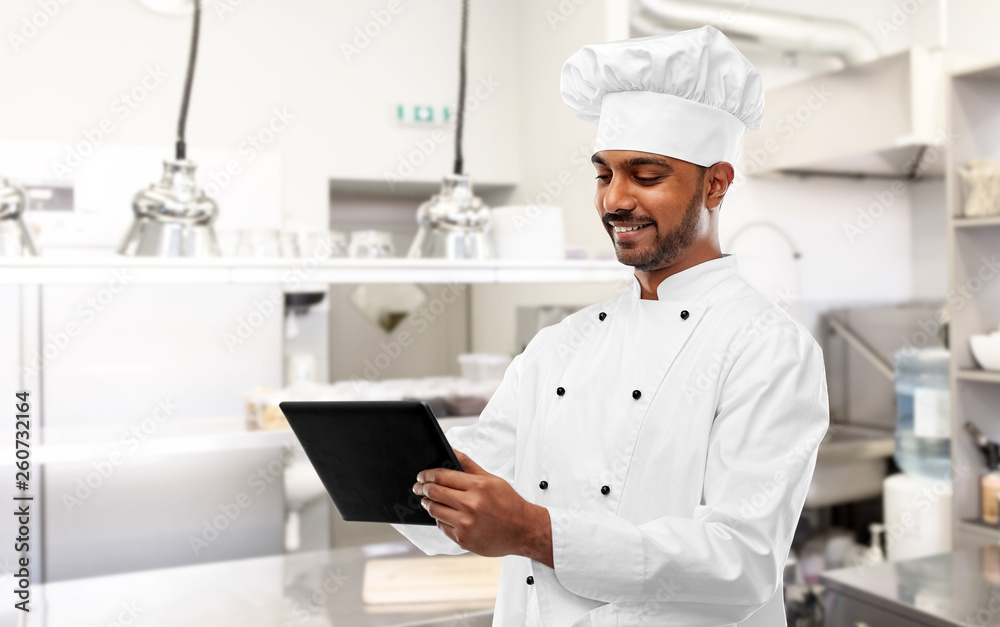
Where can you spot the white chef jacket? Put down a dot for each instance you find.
(676, 439)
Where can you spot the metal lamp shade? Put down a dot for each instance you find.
(453, 224)
(15, 240)
(173, 218)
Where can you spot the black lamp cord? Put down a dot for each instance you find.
(460, 117)
(192, 55)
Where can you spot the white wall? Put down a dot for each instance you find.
(838, 265)
(971, 27)
(929, 243)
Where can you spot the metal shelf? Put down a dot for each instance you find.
(977, 531)
(988, 69)
(84, 444)
(980, 527)
(975, 124)
(295, 271)
(204, 435)
(987, 376)
(966, 223)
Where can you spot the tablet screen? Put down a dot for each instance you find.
(368, 454)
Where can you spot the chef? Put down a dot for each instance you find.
(645, 461)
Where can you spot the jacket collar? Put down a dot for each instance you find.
(697, 278)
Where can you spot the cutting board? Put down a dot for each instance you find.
(469, 579)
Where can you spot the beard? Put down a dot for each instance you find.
(666, 247)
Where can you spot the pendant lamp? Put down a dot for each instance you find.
(455, 223)
(173, 218)
(15, 240)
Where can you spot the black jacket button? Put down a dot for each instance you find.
(530, 580)
(684, 314)
(636, 394)
(601, 316)
(605, 490)
(560, 391)
(544, 485)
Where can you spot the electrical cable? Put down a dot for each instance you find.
(181, 152)
(460, 117)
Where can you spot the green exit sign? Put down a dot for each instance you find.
(423, 114)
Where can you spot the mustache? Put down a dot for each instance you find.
(608, 218)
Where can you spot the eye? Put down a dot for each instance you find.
(648, 179)
(603, 177)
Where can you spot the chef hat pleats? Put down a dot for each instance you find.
(690, 95)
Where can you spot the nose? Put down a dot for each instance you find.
(618, 196)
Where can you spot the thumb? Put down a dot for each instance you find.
(468, 465)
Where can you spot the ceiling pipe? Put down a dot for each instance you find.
(787, 31)
(642, 26)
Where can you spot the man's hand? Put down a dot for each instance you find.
(483, 514)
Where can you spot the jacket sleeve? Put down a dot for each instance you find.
(490, 442)
(726, 561)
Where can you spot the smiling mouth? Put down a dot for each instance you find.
(627, 229)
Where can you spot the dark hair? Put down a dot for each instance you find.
(701, 174)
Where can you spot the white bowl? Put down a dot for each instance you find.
(986, 350)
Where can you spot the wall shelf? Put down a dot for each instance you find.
(975, 68)
(975, 123)
(882, 118)
(976, 532)
(975, 374)
(81, 445)
(980, 526)
(965, 223)
(206, 435)
(295, 271)
(419, 190)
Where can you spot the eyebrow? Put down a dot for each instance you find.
(636, 161)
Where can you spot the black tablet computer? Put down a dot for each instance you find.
(368, 454)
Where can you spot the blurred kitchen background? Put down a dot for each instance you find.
(867, 206)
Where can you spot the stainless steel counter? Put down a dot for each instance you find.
(959, 588)
(318, 589)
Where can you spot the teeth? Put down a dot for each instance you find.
(626, 229)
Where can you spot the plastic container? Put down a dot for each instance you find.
(483, 366)
(923, 413)
(917, 513)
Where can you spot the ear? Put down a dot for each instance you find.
(718, 178)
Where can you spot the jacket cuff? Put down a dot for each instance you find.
(430, 540)
(597, 556)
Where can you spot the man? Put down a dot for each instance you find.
(645, 461)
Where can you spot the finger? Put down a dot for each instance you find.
(446, 527)
(442, 494)
(468, 465)
(439, 511)
(444, 476)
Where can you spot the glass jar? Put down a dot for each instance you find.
(371, 244)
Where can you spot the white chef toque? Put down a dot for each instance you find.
(689, 95)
